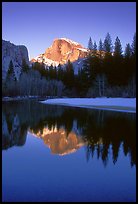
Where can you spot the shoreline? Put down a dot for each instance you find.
(21, 98)
(110, 104)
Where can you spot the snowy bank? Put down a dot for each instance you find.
(116, 104)
(19, 98)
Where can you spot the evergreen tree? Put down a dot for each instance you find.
(54, 73)
(60, 73)
(46, 72)
(133, 61)
(43, 70)
(86, 68)
(133, 46)
(51, 72)
(108, 43)
(118, 71)
(90, 44)
(128, 67)
(100, 84)
(40, 67)
(117, 48)
(100, 45)
(91, 67)
(128, 51)
(25, 67)
(69, 75)
(83, 84)
(11, 73)
(95, 46)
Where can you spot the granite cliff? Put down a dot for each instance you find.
(61, 51)
(16, 53)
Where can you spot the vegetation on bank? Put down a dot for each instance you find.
(106, 71)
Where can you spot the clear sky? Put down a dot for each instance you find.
(37, 24)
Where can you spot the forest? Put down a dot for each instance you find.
(107, 71)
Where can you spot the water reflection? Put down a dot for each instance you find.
(12, 131)
(59, 142)
(64, 130)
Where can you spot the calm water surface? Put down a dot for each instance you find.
(55, 153)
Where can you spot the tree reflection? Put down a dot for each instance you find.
(12, 132)
(103, 132)
(116, 128)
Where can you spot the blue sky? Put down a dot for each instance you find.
(37, 24)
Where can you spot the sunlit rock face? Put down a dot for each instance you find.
(61, 51)
(16, 53)
(59, 142)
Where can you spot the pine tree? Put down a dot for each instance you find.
(90, 44)
(128, 64)
(25, 67)
(100, 45)
(95, 46)
(83, 80)
(117, 73)
(133, 46)
(69, 75)
(128, 51)
(108, 43)
(11, 73)
(60, 73)
(117, 48)
(85, 76)
(133, 61)
(55, 73)
(100, 84)
(51, 72)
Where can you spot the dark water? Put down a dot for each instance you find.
(54, 153)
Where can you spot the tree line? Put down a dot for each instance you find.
(30, 83)
(106, 71)
(111, 72)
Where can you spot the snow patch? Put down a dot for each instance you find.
(46, 61)
(70, 41)
(82, 49)
(86, 102)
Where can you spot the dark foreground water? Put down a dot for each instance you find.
(54, 153)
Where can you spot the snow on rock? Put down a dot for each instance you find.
(83, 49)
(70, 41)
(61, 51)
(48, 62)
(87, 102)
(78, 64)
